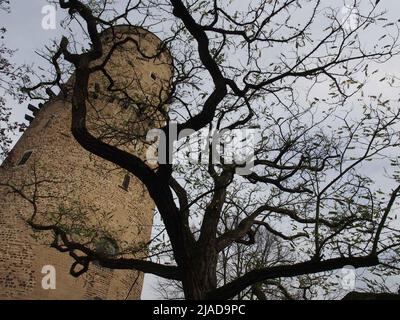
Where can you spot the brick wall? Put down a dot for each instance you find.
(79, 188)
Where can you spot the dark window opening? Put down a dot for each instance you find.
(153, 76)
(25, 158)
(125, 183)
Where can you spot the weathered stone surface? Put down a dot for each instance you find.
(77, 181)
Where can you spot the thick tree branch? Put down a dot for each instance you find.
(231, 289)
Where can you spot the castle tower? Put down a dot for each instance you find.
(49, 177)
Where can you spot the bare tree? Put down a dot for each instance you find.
(11, 79)
(290, 69)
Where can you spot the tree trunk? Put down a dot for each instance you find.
(200, 274)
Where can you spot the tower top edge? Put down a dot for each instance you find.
(134, 30)
(128, 29)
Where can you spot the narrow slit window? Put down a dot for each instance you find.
(48, 123)
(125, 183)
(25, 157)
(153, 76)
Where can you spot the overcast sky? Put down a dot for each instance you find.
(25, 33)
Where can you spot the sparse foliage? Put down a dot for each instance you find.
(298, 72)
(11, 77)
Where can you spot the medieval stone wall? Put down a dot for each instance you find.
(63, 183)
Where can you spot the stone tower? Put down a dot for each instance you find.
(50, 177)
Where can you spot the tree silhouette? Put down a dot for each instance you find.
(287, 70)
